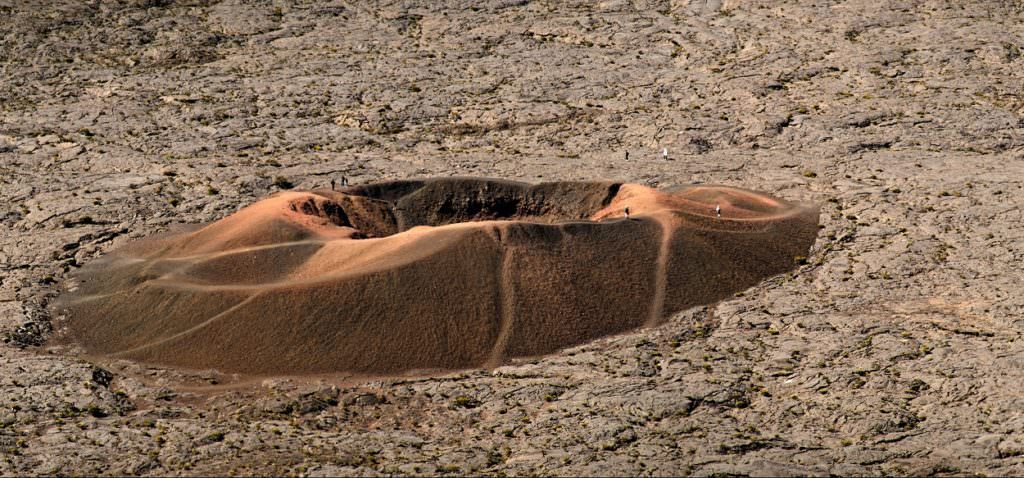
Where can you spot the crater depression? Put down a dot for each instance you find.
(420, 275)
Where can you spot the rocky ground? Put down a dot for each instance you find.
(896, 349)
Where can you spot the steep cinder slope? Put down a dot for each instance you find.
(427, 275)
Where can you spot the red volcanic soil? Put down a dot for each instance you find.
(423, 275)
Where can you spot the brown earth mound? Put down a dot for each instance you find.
(432, 274)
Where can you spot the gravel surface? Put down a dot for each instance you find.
(895, 350)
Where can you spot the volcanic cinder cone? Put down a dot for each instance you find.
(425, 275)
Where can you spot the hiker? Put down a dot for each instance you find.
(627, 155)
(718, 210)
(344, 182)
(664, 153)
(627, 213)
(332, 184)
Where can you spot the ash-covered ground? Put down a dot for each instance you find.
(894, 350)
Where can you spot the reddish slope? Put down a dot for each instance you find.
(434, 274)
